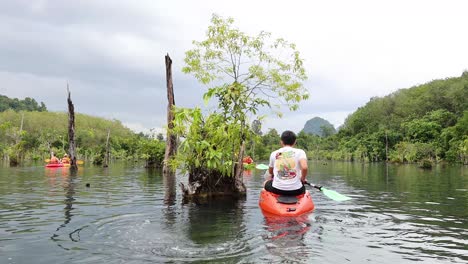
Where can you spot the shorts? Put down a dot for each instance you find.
(269, 187)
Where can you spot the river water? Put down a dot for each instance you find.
(398, 214)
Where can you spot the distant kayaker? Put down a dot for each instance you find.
(247, 160)
(288, 166)
(53, 159)
(65, 159)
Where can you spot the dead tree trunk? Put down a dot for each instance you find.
(238, 177)
(21, 128)
(107, 156)
(171, 140)
(386, 147)
(71, 131)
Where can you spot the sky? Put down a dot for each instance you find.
(111, 52)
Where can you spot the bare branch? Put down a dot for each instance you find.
(224, 71)
(233, 63)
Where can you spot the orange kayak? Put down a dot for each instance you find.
(279, 205)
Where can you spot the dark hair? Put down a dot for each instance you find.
(288, 138)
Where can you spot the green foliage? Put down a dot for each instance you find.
(160, 137)
(28, 104)
(424, 123)
(152, 151)
(246, 71)
(209, 142)
(265, 145)
(47, 131)
(243, 73)
(257, 127)
(420, 130)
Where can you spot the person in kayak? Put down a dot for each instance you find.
(53, 159)
(247, 160)
(288, 167)
(65, 159)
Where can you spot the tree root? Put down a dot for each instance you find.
(204, 184)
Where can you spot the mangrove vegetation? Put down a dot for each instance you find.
(27, 136)
(425, 123)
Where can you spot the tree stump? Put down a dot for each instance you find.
(71, 131)
(171, 139)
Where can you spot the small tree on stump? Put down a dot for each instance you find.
(243, 73)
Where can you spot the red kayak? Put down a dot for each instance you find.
(285, 205)
(57, 165)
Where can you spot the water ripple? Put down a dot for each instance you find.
(131, 215)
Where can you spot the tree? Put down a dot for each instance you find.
(257, 127)
(243, 73)
(257, 132)
(152, 151)
(327, 131)
(28, 104)
(160, 137)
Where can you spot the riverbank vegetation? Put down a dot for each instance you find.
(27, 136)
(425, 123)
(27, 104)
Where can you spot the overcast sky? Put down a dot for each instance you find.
(112, 52)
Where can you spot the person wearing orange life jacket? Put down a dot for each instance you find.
(53, 159)
(247, 160)
(65, 159)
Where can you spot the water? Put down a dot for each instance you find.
(399, 214)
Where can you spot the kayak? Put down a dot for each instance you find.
(54, 165)
(280, 205)
(57, 165)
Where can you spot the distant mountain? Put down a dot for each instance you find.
(319, 126)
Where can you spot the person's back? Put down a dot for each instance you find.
(286, 168)
(65, 159)
(53, 159)
(288, 165)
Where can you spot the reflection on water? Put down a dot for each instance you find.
(68, 177)
(169, 181)
(284, 238)
(133, 215)
(217, 221)
(290, 227)
(170, 212)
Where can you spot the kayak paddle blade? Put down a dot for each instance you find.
(335, 195)
(261, 167)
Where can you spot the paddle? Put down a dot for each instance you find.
(330, 193)
(261, 167)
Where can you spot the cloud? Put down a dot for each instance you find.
(112, 52)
